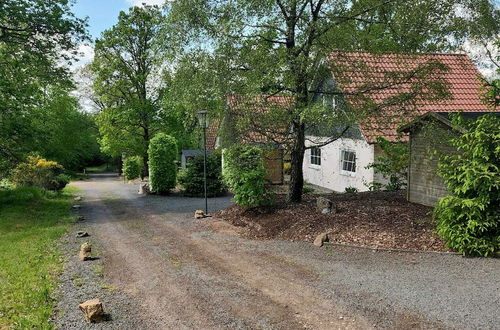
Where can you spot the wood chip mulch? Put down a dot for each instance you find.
(371, 219)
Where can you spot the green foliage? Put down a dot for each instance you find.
(37, 38)
(38, 172)
(279, 47)
(162, 168)
(393, 164)
(133, 88)
(244, 174)
(132, 167)
(192, 178)
(351, 190)
(469, 219)
(32, 222)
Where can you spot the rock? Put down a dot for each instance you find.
(78, 199)
(199, 214)
(93, 311)
(81, 234)
(325, 206)
(85, 252)
(77, 207)
(320, 239)
(144, 189)
(80, 218)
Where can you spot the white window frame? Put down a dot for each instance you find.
(318, 157)
(329, 100)
(347, 172)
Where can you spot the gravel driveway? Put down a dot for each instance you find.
(159, 268)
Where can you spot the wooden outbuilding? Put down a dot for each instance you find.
(429, 136)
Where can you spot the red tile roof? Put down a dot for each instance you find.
(263, 130)
(212, 133)
(365, 77)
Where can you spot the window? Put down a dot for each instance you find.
(348, 162)
(316, 156)
(329, 100)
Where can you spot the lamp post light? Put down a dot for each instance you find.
(203, 121)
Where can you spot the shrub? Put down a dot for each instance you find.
(192, 178)
(244, 174)
(469, 220)
(351, 190)
(39, 172)
(393, 165)
(132, 167)
(162, 168)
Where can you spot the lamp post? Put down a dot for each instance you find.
(203, 121)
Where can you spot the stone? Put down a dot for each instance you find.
(85, 252)
(324, 205)
(93, 311)
(78, 198)
(144, 189)
(81, 234)
(199, 214)
(77, 207)
(321, 239)
(80, 218)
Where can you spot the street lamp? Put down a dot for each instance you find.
(203, 121)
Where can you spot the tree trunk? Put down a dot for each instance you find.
(296, 184)
(145, 166)
(145, 157)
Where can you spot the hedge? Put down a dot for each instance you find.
(244, 174)
(132, 167)
(162, 168)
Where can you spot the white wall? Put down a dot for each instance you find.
(329, 174)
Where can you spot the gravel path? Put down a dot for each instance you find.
(159, 268)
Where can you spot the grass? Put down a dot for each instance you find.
(31, 224)
(100, 168)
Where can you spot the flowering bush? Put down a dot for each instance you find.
(39, 172)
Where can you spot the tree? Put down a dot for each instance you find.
(37, 39)
(126, 83)
(280, 46)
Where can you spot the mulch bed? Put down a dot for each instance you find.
(372, 219)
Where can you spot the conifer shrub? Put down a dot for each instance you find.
(162, 154)
(244, 174)
(132, 167)
(469, 219)
(192, 178)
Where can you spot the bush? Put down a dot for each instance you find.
(469, 220)
(393, 165)
(39, 172)
(244, 174)
(132, 167)
(162, 168)
(192, 178)
(351, 190)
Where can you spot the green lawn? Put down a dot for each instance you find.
(31, 223)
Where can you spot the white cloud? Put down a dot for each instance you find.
(85, 56)
(140, 3)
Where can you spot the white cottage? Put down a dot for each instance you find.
(343, 163)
